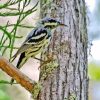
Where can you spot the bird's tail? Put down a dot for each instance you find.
(21, 61)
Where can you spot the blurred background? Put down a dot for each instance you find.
(16, 92)
(93, 13)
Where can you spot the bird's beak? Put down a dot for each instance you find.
(63, 25)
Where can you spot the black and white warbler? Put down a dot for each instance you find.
(38, 39)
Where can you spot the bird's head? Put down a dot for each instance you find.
(51, 23)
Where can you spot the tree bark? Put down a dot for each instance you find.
(69, 44)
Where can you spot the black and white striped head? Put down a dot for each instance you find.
(51, 23)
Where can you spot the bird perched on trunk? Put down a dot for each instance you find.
(38, 39)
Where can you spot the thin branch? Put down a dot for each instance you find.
(3, 46)
(6, 32)
(9, 35)
(9, 3)
(19, 13)
(11, 9)
(14, 13)
(22, 26)
(15, 27)
(22, 15)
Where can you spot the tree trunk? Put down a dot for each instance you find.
(69, 44)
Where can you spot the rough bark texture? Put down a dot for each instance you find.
(69, 81)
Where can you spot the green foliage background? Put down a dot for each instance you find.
(94, 71)
(19, 10)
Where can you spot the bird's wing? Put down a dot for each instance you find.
(34, 37)
(22, 49)
(24, 46)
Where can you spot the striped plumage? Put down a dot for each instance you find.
(34, 44)
(36, 41)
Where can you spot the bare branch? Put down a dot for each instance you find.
(20, 78)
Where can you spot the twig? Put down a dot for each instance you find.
(3, 46)
(22, 26)
(6, 32)
(9, 3)
(15, 13)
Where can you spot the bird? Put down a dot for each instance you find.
(37, 40)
